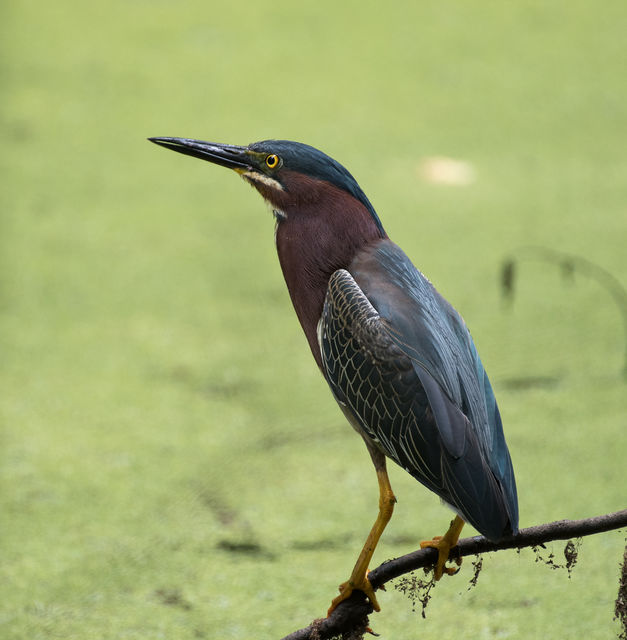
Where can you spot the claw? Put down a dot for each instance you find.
(443, 549)
(346, 590)
(444, 544)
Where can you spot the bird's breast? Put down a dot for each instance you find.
(313, 241)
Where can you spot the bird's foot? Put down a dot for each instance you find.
(443, 546)
(352, 584)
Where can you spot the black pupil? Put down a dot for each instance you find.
(272, 160)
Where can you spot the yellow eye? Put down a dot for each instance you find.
(272, 161)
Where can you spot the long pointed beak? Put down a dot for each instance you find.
(225, 155)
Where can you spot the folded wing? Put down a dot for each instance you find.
(391, 367)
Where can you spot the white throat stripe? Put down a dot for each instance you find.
(254, 176)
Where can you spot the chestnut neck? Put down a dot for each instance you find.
(317, 235)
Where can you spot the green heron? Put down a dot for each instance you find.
(398, 358)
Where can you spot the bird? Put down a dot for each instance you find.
(398, 358)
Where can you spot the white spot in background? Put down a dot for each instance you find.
(447, 171)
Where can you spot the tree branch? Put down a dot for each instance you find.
(350, 618)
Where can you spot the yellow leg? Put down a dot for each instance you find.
(359, 579)
(444, 544)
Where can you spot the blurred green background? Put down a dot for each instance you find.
(172, 463)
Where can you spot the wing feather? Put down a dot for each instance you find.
(398, 404)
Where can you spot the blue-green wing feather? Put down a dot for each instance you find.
(401, 359)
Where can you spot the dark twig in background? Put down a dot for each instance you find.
(569, 264)
(350, 620)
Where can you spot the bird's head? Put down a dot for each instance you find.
(289, 175)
